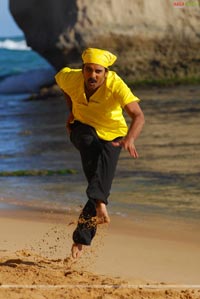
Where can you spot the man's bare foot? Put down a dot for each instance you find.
(77, 250)
(102, 213)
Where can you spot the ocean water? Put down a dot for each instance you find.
(33, 137)
(22, 71)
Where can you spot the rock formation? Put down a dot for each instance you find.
(152, 39)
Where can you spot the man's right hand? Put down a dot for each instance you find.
(68, 122)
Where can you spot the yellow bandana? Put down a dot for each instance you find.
(98, 56)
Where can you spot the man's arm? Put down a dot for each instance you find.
(134, 111)
(70, 116)
(68, 101)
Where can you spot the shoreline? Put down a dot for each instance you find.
(30, 210)
(137, 217)
(150, 224)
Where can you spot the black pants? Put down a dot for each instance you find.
(99, 159)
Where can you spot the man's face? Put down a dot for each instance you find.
(94, 75)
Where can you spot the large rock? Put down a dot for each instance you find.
(152, 38)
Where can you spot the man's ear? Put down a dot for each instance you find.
(83, 67)
(106, 72)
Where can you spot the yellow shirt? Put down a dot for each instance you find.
(103, 111)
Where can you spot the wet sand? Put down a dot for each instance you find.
(165, 179)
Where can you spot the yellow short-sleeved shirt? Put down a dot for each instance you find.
(104, 109)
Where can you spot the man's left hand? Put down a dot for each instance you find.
(128, 145)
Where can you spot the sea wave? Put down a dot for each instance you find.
(10, 44)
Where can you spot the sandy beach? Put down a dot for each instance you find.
(145, 258)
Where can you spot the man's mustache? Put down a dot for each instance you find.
(92, 80)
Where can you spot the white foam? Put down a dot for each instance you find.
(14, 45)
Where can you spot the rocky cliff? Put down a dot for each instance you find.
(152, 39)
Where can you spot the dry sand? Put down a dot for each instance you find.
(147, 258)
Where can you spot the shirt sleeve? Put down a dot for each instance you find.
(124, 94)
(61, 77)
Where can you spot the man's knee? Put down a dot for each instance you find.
(83, 142)
(86, 140)
(83, 136)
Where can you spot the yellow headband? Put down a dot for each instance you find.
(98, 56)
